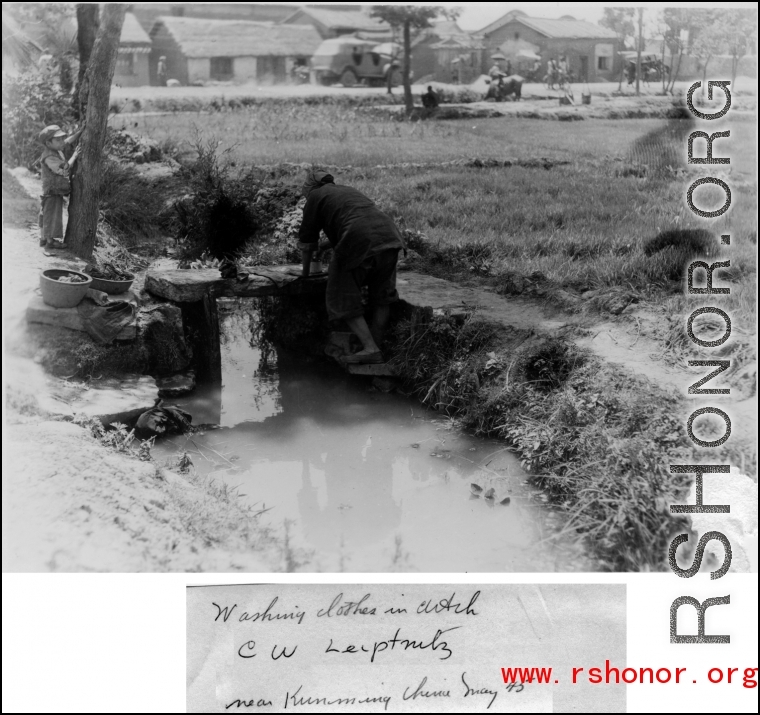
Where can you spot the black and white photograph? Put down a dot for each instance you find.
(387, 291)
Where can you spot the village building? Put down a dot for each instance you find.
(445, 52)
(199, 50)
(132, 62)
(591, 50)
(333, 21)
(148, 12)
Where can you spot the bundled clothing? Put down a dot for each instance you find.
(365, 241)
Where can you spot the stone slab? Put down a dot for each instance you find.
(39, 312)
(381, 370)
(258, 286)
(183, 285)
(111, 400)
(176, 385)
(191, 285)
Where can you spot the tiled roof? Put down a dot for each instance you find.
(132, 32)
(199, 37)
(564, 27)
(346, 19)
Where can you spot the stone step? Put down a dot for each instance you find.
(182, 383)
(379, 370)
(39, 312)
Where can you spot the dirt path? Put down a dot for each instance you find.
(622, 342)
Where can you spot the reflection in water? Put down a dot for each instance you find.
(371, 482)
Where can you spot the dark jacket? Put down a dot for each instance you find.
(355, 227)
(430, 100)
(55, 173)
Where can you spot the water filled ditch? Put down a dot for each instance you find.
(365, 480)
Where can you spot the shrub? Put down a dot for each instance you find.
(216, 215)
(31, 101)
(697, 241)
(670, 251)
(128, 201)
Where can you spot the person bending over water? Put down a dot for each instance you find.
(365, 243)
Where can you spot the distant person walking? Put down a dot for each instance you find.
(536, 72)
(57, 159)
(161, 75)
(563, 70)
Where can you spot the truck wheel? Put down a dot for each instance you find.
(349, 78)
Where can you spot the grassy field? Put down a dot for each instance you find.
(345, 136)
(580, 226)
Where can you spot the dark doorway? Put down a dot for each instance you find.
(584, 68)
(221, 68)
(271, 69)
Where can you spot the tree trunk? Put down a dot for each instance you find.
(88, 18)
(735, 60)
(674, 72)
(85, 182)
(638, 51)
(622, 74)
(704, 79)
(408, 99)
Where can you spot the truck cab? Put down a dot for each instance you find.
(350, 61)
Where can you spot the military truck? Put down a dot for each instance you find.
(351, 61)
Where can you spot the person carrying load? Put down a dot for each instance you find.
(366, 244)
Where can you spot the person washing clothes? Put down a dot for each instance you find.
(365, 243)
(55, 169)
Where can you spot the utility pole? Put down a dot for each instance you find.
(638, 50)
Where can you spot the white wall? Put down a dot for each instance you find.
(244, 69)
(198, 69)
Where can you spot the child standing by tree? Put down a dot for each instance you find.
(56, 183)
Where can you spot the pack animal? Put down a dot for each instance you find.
(508, 87)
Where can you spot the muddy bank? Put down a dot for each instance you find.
(72, 505)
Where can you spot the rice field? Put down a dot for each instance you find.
(580, 225)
